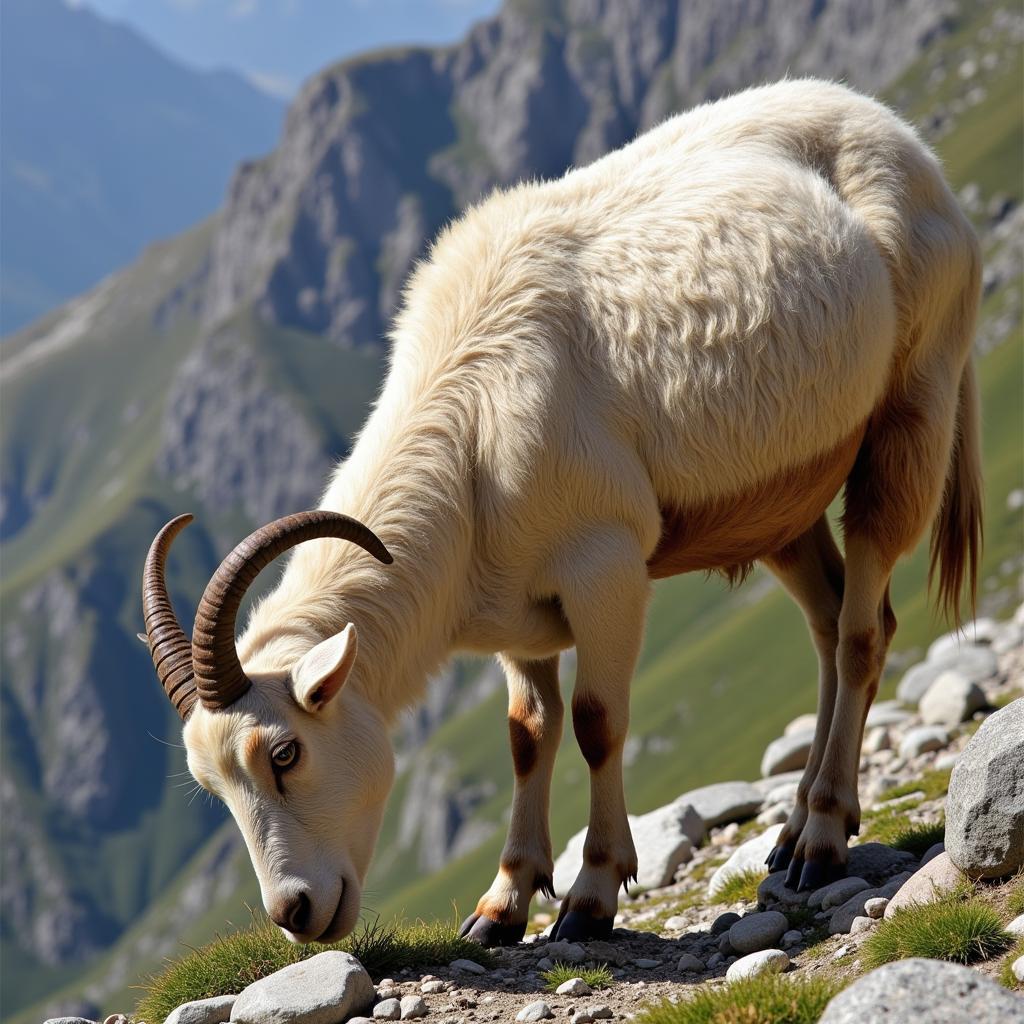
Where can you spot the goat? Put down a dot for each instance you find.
(668, 361)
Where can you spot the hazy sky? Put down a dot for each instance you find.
(278, 43)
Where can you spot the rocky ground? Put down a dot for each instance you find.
(711, 913)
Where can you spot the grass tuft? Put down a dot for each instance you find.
(741, 888)
(768, 999)
(889, 825)
(231, 962)
(959, 928)
(933, 783)
(1015, 901)
(596, 977)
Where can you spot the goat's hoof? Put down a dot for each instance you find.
(779, 858)
(575, 926)
(485, 932)
(816, 873)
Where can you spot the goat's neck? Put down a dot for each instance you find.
(412, 488)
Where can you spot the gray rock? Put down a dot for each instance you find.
(921, 740)
(724, 945)
(545, 963)
(787, 753)
(568, 952)
(766, 961)
(723, 802)
(70, 1020)
(773, 890)
(756, 932)
(468, 967)
(215, 1010)
(979, 633)
(843, 917)
(976, 663)
(432, 986)
(609, 952)
(324, 989)
(985, 805)
(645, 963)
(927, 884)
(573, 987)
(412, 1007)
(791, 938)
(925, 992)
(664, 839)
(715, 960)
(886, 713)
(724, 922)
(388, 1009)
(932, 852)
(861, 924)
(837, 893)
(951, 699)
(688, 963)
(750, 855)
(538, 1010)
(770, 787)
(600, 1012)
(1016, 926)
(877, 862)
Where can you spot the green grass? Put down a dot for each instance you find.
(958, 927)
(596, 977)
(769, 999)
(1015, 901)
(231, 962)
(933, 784)
(741, 888)
(1006, 975)
(891, 827)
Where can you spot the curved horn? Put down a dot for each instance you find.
(220, 680)
(170, 648)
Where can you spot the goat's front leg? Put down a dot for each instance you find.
(535, 727)
(604, 597)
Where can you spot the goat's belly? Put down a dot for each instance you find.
(740, 528)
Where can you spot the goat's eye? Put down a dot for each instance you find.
(286, 755)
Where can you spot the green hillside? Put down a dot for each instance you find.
(721, 671)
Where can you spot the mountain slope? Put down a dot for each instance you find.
(225, 370)
(108, 145)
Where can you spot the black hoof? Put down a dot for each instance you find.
(578, 927)
(485, 932)
(779, 858)
(816, 874)
(796, 865)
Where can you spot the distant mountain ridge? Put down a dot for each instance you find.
(226, 369)
(107, 145)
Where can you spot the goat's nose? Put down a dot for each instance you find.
(292, 913)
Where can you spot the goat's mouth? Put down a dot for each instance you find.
(339, 925)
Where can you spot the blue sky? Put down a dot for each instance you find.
(279, 43)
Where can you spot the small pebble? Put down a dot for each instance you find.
(538, 1010)
(600, 1012)
(724, 922)
(840, 952)
(545, 963)
(435, 985)
(791, 938)
(766, 961)
(875, 907)
(413, 1007)
(688, 962)
(581, 1017)
(861, 924)
(646, 964)
(388, 1009)
(573, 987)
(468, 967)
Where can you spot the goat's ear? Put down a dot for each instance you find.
(322, 672)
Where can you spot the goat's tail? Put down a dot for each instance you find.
(958, 531)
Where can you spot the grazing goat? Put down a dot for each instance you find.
(671, 360)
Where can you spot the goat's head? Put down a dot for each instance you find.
(303, 763)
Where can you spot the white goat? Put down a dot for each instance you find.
(670, 360)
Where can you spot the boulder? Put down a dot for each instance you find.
(927, 884)
(787, 753)
(921, 740)
(664, 839)
(215, 1010)
(723, 802)
(976, 663)
(767, 961)
(324, 989)
(750, 855)
(985, 805)
(925, 992)
(951, 699)
(757, 931)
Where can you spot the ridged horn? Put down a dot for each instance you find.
(220, 680)
(169, 647)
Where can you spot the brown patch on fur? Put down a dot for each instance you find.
(588, 905)
(524, 747)
(488, 908)
(255, 744)
(823, 803)
(590, 723)
(728, 534)
(596, 858)
(510, 865)
(860, 657)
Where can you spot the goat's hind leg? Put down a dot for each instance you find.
(812, 571)
(535, 728)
